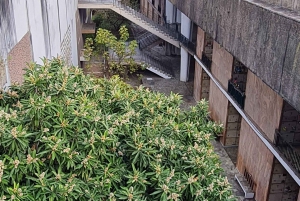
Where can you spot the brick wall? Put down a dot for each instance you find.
(256, 158)
(263, 105)
(66, 49)
(18, 58)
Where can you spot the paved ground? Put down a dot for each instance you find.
(185, 89)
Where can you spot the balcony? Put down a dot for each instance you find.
(291, 151)
(238, 95)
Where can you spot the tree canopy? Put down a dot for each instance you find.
(117, 53)
(68, 136)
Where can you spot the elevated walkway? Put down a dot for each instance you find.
(134, 16)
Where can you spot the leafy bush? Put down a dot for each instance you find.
(67, 136)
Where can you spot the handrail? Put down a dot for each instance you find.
(259, 133)
(236, 93)
(288, 150)
(166, 28)
(148, 58)
(207, 62)
(147, 40)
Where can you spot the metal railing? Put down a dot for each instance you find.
(170, 30)
(288, 150)
(165, 28)
(156, 63)
(206, 61)
(236, 93)
(146, 40)
(249, 179)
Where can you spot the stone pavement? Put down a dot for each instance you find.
(185, 89)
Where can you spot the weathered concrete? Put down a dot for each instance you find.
(289, 4)
(262, 38)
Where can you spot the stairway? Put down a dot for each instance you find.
(153, 59)
(148, 40)
(160, 31)
(157, 66)
(154, 63)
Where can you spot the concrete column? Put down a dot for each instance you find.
(178, 17)
(184, 65)
(170, 12)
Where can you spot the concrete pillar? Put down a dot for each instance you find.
(178, 17)
(184, 65)
(185, 60)
(170, 12)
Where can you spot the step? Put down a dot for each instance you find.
(244, 185)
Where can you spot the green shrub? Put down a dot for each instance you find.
(67, 136)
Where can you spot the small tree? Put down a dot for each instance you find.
(117, 53)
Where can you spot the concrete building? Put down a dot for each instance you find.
(33, 29)
(247, 67)
(244, 55)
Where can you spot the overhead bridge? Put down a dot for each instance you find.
(171, 36)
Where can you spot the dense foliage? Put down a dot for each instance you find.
(67, 136)
(110, 20)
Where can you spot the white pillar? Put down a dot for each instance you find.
(178, 17)
(184, 64)
(170, 12)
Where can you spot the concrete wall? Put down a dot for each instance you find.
(289, 4)
(263, 105)
(37, 29)
(169, 12)
(258, 163)
(266, 42)
(42, 28)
